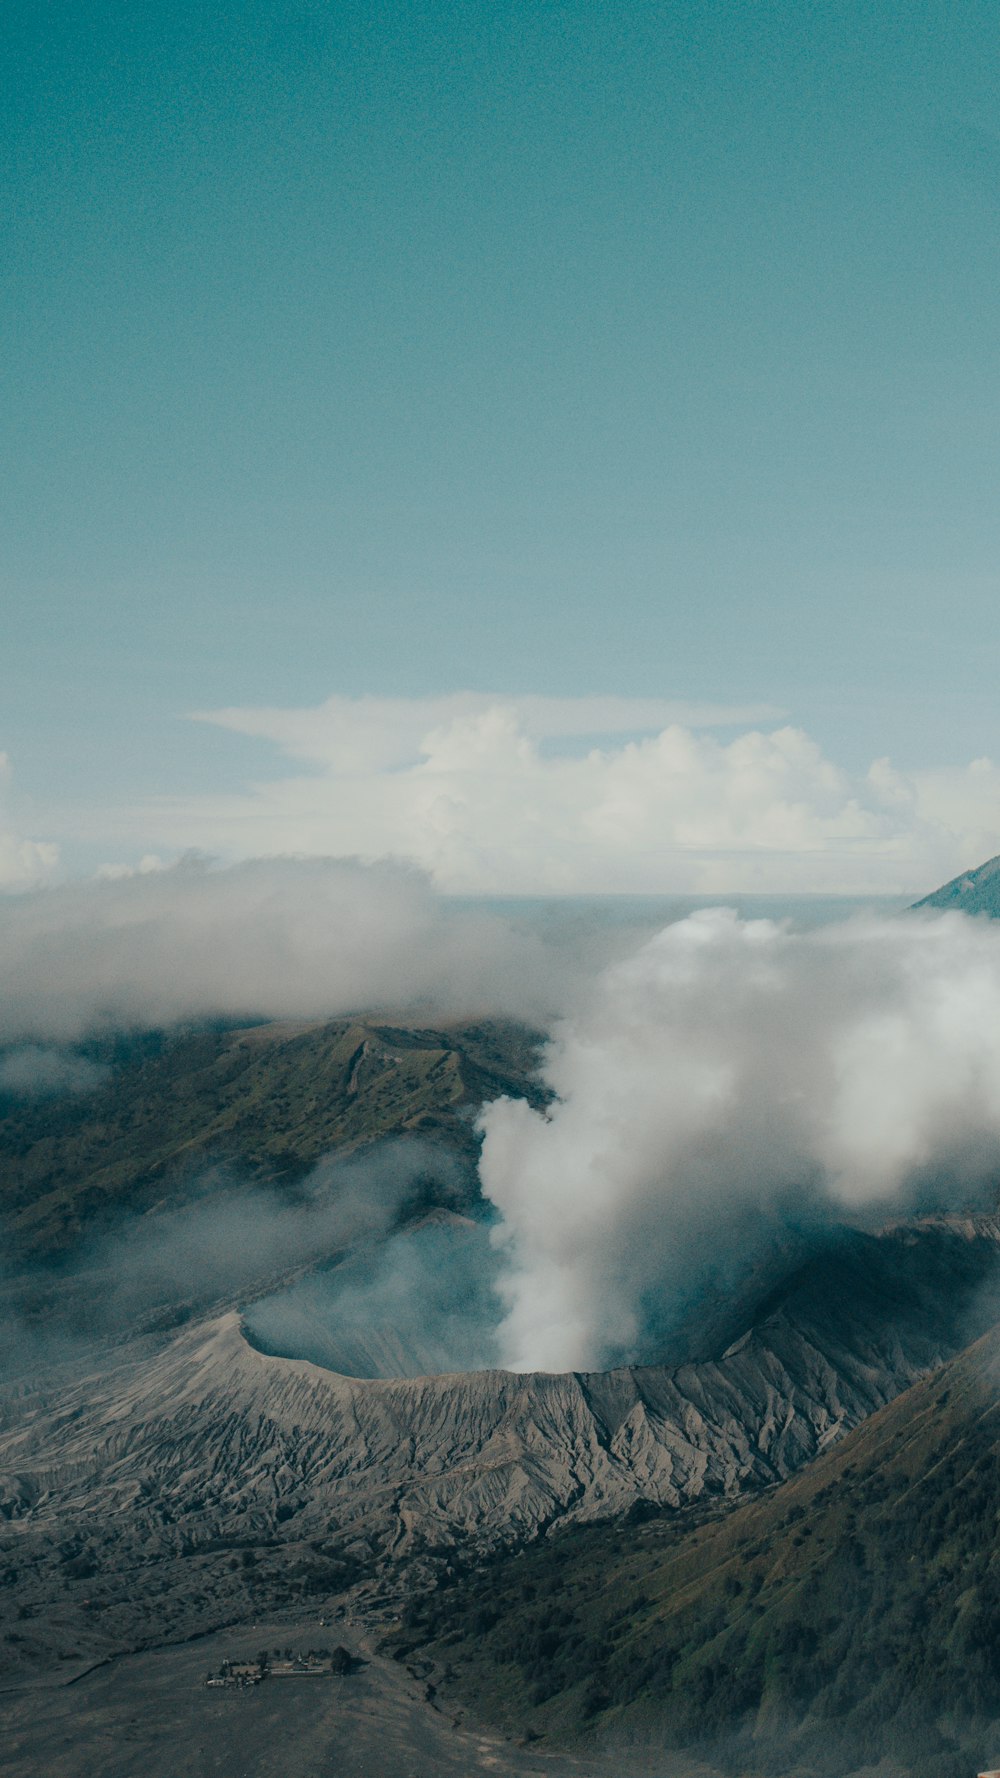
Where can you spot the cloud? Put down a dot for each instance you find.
(150, 861)
(730, 1078)
(352, 734)
(268, 939)
(575, 796)
(243, 1234)
(23, 862)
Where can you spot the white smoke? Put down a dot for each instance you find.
(730, 1072)
(236, 1237)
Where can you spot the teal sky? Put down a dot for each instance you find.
(647, 351)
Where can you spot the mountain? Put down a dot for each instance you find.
(189, 1480)
(173, 1460)
(974, 892)
(267, 1102)
(851, 1615)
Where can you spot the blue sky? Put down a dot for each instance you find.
(354, 351)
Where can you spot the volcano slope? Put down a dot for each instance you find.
(191, 1481)
(207, 1166)
(849, 1616)
(267, 1102)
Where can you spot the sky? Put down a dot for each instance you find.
(552, 443)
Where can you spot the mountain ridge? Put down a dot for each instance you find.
(268, 1102)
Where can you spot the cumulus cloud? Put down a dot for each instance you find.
(23, 862)
(572, 796)
(731, 1077)
(268, 939)
(350, 734)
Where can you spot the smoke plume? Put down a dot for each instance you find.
(730, 1077)
(418, 1303)
(235, 1242)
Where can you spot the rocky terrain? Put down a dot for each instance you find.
(150, 1715)
(191, 1480)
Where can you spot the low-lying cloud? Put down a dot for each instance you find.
(279, 938)
(728, 1080)
(730, 1077)
(419, 1303)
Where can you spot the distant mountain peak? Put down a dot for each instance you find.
(974, 891)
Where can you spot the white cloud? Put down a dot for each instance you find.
(112, 873)
(484, 794)
(276, 938)
(23, 862)
(369, 734)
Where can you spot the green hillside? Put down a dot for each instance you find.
(850, 1616)
(270, 1101)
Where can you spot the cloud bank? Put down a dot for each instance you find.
(279, 938)
(730, 1077)
(594, 795)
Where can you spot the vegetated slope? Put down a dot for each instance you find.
(270, 1100)
(193, 1480)
(850, 1615)
(973, 892)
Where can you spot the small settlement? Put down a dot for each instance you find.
(282, 1663)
